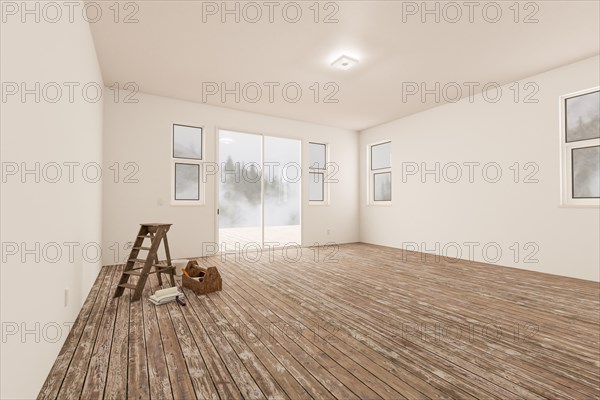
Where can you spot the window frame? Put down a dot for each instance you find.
(201, 143)
(322, 187)
(175, 181)
(323, 171)
(567, 198)
(371, 155)
(188, 161)
(371, 172)
(382, 173)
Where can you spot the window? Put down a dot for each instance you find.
(187, 178)
(186, 160)
(380, 173)
(317, 171)
(580, 144)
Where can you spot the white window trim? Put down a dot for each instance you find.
(175, 160)
(566, 192)
(324, 171)
(371, 177)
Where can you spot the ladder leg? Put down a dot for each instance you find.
(158, 274)
(156, 261)
(139, 288)
(168, 254)
(161, 235)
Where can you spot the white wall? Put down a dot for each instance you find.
(141, 133)
(504, 212)
(35, 320)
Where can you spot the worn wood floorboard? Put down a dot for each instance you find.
(368, 322)
(57, 374)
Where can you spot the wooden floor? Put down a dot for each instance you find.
(374, 324)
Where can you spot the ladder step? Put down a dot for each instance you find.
(145, 236)
(141, 248)
(136, 271)
(133, 269)
(137, 260)
(161, 270)
(127, 285)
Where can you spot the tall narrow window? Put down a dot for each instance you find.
(380, 173)
(580, 143)
(317, 171)
(186, 160)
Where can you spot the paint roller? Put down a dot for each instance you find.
(167, 292)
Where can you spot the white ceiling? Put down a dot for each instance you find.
(172, 52)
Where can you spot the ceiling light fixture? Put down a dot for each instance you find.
(344, 62)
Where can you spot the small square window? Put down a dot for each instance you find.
(187, 181)
(381, 156)
(581, 117)
(187, 142)
(586, 172)
(382, 186)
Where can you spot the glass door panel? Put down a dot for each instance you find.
(240, 190)
(281, 191)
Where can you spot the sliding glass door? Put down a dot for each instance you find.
(259, 191)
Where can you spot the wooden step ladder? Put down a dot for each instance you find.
(157, 233)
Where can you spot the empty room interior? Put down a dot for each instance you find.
(300, 200)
